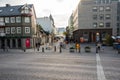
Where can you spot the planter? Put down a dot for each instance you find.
(72, 49)
(87, 49)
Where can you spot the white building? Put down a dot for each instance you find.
(47, 23)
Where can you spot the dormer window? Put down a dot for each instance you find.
(25, 9)
(1, 10)
(11, 10)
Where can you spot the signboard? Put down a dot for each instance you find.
(27, 42)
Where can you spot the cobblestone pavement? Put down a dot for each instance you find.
(34, 65)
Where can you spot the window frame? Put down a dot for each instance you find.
(7, 20)
(19, 28)
(18, 19)
(27, 30)
(27, 19)
(13, 30)
(7, 30)
(101, 25)
(12, 19)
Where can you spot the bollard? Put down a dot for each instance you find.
(24, 50)
(42, 49)
(60, 49)
(38, 49)
(55, 48)
(96, 50)
(79, 50)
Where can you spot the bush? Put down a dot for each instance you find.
(87, 49)
(72, 49)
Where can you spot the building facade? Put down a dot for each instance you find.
(17, 26)
(47, 23)
(94, 19)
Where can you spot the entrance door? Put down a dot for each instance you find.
(19, 43)
(14, 43)
(8, 43)
(2, 43)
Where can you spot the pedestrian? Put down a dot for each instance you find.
(102, 47)
(99, 46)
(77, 47)
(3, 47)
(38, 47)
(7, 48)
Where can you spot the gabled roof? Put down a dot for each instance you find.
(12, 10)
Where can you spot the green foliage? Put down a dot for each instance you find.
(108, 39)
(87, 47)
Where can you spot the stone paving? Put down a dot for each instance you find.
(50, 65)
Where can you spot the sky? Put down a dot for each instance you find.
(59, 9)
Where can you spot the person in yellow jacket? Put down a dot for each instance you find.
(77, 47)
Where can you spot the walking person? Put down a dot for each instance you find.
(7, 48)
(77, 47)
(98, 46)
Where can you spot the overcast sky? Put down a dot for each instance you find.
(60, 9)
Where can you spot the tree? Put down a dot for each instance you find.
(108, 39)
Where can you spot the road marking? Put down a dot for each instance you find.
(100, 72)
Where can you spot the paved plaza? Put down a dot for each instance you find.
(51, 65)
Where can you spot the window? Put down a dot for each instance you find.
(12, 19)
(101, 8)
(95, 17)
(13, 30)
(27, 19)
(101, 16)
(1, 10)
(2, 30)
(102, 1)
(7, 29)
(18, 19)
(7, 20)
(118, 18)
(118, 25)
(2, 21)
(108, 1)
(11, 10)
(108, 8)
(108, 16)
(18, 30)
(95, 25)
(27, 10)
(95, 9)
(27, 29)
(108, 24)
(101, 24)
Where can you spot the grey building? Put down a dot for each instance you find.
(17, 26)
(94, 19)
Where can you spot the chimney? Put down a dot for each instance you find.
(7, 5)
